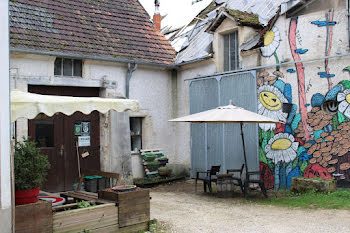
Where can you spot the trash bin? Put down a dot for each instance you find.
(103, 183)
(91, 183)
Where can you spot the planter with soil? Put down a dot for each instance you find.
(164, 171)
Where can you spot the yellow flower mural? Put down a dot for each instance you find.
(271, 42)
(282, 148)
(270, 104)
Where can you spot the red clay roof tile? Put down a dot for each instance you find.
(102, 28)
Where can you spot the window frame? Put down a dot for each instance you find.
(62, 67)
(227, 50)
(138, 122)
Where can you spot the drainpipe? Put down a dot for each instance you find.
(128, 77)
(348, 9)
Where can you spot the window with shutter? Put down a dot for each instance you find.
(231, 51)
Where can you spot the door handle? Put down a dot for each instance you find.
(61, 150)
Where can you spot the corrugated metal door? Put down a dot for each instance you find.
(221, 144)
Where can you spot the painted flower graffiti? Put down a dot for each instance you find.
(344, 99)
(271, 42)
(315, 139)
(282, 148)
(270, 105)
(326, 154)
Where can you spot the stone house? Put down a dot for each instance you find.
(108, 49)
(288, 60)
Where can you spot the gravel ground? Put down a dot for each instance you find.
(183, 210)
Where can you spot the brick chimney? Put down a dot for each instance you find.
(156, 17)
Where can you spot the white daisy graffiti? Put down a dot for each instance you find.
(282, 148)
(344, 99)
(272, 40)
(270, 105)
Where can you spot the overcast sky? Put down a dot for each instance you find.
(179, 12)
(166, 6)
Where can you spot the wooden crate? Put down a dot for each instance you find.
(133, 207)
(99, 218)
(34, 217)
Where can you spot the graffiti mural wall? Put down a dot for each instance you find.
(313, 99)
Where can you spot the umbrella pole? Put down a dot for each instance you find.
(245, 156)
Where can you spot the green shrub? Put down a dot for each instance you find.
(149, 157)
(83, 204)
(153, 163)
(30, 167)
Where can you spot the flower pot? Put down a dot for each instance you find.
(164, 172)
(26, 196)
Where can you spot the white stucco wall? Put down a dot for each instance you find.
(5, 179)
(151, 86)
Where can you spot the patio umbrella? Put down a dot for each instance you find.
(228, 114)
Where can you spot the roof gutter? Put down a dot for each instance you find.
(195, 60)
(78, 56)
(270, 66)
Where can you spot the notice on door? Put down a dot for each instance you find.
(83, 141)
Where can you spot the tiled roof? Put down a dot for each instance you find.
(118, 29)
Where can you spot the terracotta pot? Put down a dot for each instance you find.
(26, 196)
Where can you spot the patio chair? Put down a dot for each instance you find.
(237, 176)
(210, 176)
(254, 177)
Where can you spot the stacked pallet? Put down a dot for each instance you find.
(152, 160)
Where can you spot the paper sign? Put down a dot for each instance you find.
(85, 131)
(86, 154)
(83, 141)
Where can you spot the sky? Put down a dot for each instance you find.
(179, 11)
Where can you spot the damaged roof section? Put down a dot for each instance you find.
(265, 9)
(193, 41)
(240, 17)
(118, 29)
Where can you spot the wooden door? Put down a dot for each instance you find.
(49, 135)
(92, 152)
(56, 137)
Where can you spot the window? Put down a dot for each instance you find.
(231, 55)
(44, 133)
(68, 67)
(136, 133)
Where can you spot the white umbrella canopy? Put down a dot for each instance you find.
(228, 114)
(29, 105)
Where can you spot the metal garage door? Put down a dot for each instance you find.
(221, 144)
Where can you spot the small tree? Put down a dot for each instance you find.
(30, 167)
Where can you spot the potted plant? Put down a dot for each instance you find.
(164, 171)
(149, 157)
(30, 169)
(163, 161)
(153, 165)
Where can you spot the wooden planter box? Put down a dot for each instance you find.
(133, 206)
(100, 218)
(35, 217)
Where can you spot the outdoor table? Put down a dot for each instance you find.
(225, 185)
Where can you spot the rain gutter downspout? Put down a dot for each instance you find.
(128, 77)
(348, 9)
